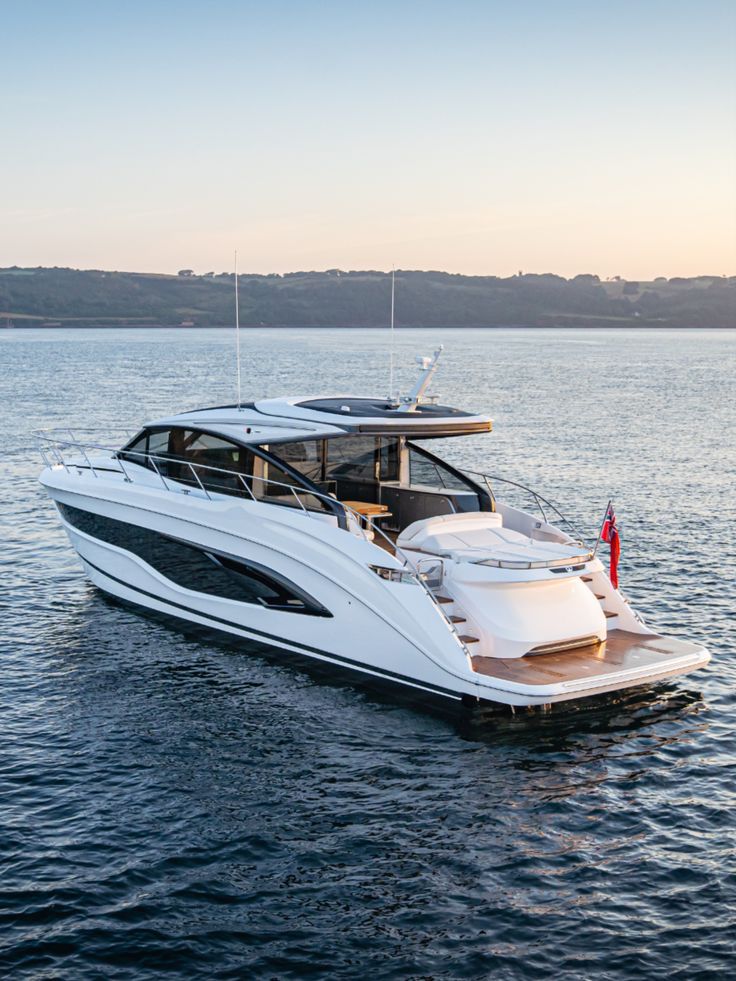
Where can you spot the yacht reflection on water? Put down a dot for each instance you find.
(319, 526)
(604, 723)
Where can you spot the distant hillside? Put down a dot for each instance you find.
(359, 299)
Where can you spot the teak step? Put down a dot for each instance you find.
(444, 599)
(599, 596)
(587, 578)
(609, 614)
(467, 639)
(456, 619)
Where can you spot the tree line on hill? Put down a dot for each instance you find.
(335, 298)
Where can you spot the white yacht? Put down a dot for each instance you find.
(321, 527)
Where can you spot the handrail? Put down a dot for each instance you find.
(52, 431)
(57, 445)
(538, 499)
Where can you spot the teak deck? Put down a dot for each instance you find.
(621, 651)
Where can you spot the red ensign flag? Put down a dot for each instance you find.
(609, 533)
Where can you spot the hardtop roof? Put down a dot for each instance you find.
(283, 419)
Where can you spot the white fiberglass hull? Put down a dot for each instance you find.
(390, 630)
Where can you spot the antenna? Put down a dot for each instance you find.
(391, 344)
(427, 368)
(237, 327)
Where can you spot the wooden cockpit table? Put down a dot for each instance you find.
(367, 510)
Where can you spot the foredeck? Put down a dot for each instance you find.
(621, 652)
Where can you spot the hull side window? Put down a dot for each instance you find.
(196, 568)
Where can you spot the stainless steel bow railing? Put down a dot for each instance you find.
(52, 448)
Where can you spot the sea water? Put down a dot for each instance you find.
(175, 806)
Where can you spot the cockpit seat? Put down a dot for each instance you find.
(480, 536)
(416, 534)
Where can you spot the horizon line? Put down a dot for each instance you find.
(186, 273)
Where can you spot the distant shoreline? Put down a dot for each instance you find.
(54, 298)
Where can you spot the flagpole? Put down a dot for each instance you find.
(600, 532)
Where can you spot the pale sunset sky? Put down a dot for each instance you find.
(476, 137)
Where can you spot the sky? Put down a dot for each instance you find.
(473, 136)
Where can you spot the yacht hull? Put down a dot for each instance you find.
(387, 630)
(391, 630)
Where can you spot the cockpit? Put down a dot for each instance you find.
(405, 479)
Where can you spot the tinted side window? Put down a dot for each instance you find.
(351, 458)
(423, 471)
(432, 473)
(192, 457)
(273, 484)
(306, 457)
(215, 461)
(389, 458)
(135, 451)
(194, 568)
(158, 442)
(210, 451)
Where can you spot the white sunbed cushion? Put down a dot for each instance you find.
(418, 531)
(485, 538)
(474, 540)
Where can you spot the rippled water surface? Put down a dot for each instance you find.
(175, 806)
